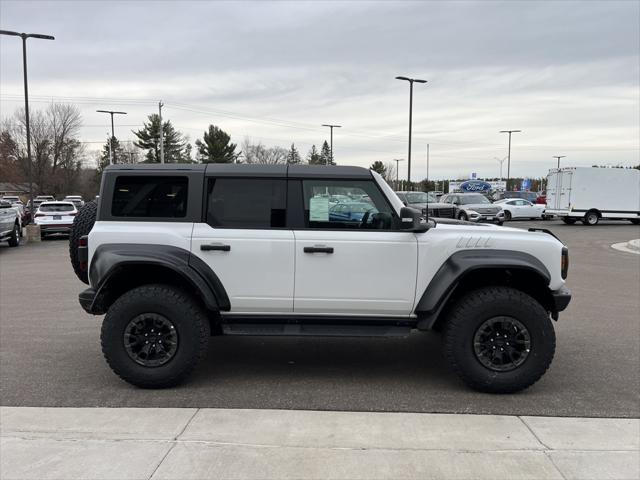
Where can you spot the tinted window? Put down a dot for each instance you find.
(57, 207)
(368, 209)
(246, 203)
(158, 197)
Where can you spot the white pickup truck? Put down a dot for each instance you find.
(10, 224)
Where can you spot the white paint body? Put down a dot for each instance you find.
(614, 192)
(521, 208)
(370, 273)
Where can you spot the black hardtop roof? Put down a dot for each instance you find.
(250, 170)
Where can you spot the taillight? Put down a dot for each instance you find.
(564, 263)
(84, 241)
(40, 215)
(72, 214)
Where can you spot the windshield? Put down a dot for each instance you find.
(420, 197)
(475, 198)
(56, 207)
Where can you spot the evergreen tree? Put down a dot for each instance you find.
(325, 155)
(119, 154)
(313, 157)
(149, 140)
(215, 147)
(293, 157)
(379, 167)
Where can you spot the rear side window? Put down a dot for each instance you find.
(148, 196)
(246, 203)
(57, 207)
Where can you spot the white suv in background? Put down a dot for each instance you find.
(55, 217)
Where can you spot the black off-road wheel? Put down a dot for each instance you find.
(499, 340)
(153, 336)
(14, 239)
(82, 225)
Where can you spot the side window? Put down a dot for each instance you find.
(362, 205)
(148, 196)
(246, 203)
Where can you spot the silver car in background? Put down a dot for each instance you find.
(474, 207)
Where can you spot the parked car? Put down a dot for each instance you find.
(590, 194)
(15, 202)
(55, 217)
(542, 198)
(531, 196)
(75, 199)
(474, 207)
(421, 200)
(520, 208)
(10, 224)
(255, 252)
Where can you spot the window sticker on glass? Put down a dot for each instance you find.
(319, 209)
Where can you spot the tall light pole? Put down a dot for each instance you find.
(500, 161)
(160, 105)
(411, 81)
(112, 160)
(558, 157)
(24, 37)
(509, 154)
(331, 127)
(398, 160)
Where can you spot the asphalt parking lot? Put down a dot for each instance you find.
(50, 350)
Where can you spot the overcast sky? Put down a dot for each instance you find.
(566, 73)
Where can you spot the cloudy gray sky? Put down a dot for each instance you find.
(567, 73)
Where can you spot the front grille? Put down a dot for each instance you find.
(446, 212)
(487, 210)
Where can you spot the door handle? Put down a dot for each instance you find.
(318, 249)
(215, 246)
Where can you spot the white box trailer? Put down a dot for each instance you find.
(591, 194)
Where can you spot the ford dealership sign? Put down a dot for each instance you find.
(475, 186)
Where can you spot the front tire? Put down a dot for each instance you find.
(137, 324)
(14, 239)
(462, 216)
(493, 318)
(507, 216)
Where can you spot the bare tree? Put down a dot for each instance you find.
(390, 172)
(258, 153)
(64, 121)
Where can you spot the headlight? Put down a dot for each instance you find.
(564, 263)
(473, 213)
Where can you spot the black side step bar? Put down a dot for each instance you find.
(296, 329)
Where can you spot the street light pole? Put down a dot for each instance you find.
(398, 160)
(509, 154)
(112, 159)
(500, 161)
(24, 37)
(411, 81)
(160, 105)
(331, 127)
(559, 157)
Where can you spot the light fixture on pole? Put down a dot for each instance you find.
(112, 159)
(24, 37)
(509, 154)
(331, 127)
(558, 157)
(411, 81)
(397, 160)
(500, 161)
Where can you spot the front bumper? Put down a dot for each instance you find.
(487, 217)
(561, 298)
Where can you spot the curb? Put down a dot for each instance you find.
(632, 246)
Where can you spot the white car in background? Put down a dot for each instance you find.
(55, 217)
(521, 208)
(75, 199)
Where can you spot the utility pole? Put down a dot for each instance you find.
(410, 80)
(500, 161)
(331, 127)
(112, 159)
(509, 154)
(24, 37)
(398, 160)
(559, 157)
(160, 105)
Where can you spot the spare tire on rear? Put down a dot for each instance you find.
(82, 225)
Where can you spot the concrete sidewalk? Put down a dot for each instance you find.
(130, 443)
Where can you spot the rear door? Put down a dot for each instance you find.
(244, 240)
(360, 265)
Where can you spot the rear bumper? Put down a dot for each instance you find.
(53, 228)
(561, 298)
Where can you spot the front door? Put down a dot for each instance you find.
(350, 257)
(246, 244)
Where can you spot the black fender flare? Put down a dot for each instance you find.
(109, 259)
(460, 264)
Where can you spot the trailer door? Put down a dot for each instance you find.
(565, 179)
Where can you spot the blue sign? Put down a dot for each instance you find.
(475, 186)
(526, 184)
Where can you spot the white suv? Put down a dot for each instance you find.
(181, 252)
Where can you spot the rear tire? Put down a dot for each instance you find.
(591, 218)
(82, 225)
(635, 221)
(173, 311)
(569, 220)
(14, 239)
(465, 342)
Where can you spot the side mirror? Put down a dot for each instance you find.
(411, 220)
